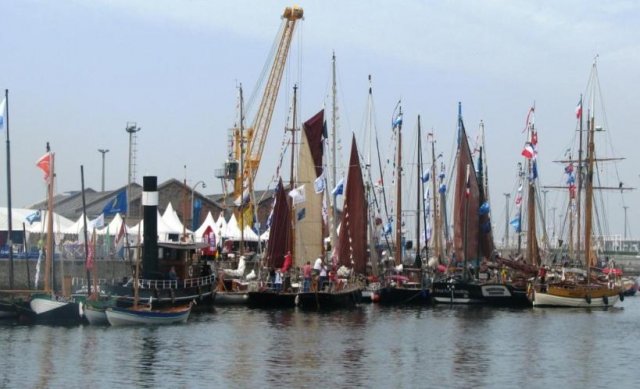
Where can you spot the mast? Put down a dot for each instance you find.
(437, 243)
(49, 279)
(86, 239)
(292, 236)
(398, 252)
(333, 199)
(242, 170)
(465, 237)
(418, 198)
(531, 212)
(579, 191)
(519, 230)
(9, 210)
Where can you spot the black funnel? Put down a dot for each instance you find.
(150, 214)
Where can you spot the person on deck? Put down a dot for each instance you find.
(317, 266)
(306, 274)
(278, 281)
(172, 274)
(323, 277)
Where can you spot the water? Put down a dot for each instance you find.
(372, 346)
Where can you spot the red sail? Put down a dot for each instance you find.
(314, 128)
(466, 205)
(280, 229)
(353, 230)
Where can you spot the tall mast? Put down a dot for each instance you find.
(437, 243)
(332, 199)
(291, 180)
(579, 191)
(48, 272)
(418, 197)
(398, 253)
(531, 212)
(9, 211)
(242, 170)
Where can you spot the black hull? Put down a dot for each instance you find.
(390, 295)
(202, 295)
(66, 315)
(478, 293)
(348, 298)
(271, 299)
(8, 310)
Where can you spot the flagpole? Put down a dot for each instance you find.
(9, 216)
(86, 243)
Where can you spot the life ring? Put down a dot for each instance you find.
(190, 271)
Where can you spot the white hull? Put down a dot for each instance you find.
(95, 316)
(44, 305)
(548, 300)
(126, 317)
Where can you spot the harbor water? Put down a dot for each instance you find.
(370, 346)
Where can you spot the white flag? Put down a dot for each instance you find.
(3, 103)
(297, 195)
(319, 184)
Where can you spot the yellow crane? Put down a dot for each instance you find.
(244, 173)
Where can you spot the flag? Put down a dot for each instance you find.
(97, 222)
(579, 109)
(44, 163)
(534, 137)
(387, 228)
(120, 238)
(339, 189)
(242, 200)
(246, 217)
(568, 169)
(297, 195)
(443, 188)
(318, 184)
(301, 214)
(91, 253)
(571, 179)
(34, 217)
(516, 223)
(531, 118)
(534, 170)
(425, 177)
(519, 195)
(484, 208)
(3, 104)
(116, 204)
(397, 121)
(529, 151)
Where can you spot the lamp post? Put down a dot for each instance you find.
(103, 152)
(193, 190)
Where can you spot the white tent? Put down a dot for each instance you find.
(113, 227)
(163, 230)
(208, 222)
(60, 223)
(232, 231)
(221, 225)
(172, 220)
(76, 227)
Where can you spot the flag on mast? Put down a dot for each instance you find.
(44, 163)
(3, 105)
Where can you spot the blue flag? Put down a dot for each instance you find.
(425, 177)
(301, 214)
(516, 223)
(34, 217)
(3, 104)
(339, 189)
(116, 204)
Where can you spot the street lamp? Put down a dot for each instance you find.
(193, 190)
(103, 152)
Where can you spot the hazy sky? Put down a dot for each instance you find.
(78, 71)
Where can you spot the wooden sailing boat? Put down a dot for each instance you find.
(411, 285)
(578, 289)
(345, 292)
(473, 242)
(50, 307)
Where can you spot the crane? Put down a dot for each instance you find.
(255, 136)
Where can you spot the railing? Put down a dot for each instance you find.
(155, 284)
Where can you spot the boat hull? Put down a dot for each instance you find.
(95, 315)
(231, 298)
(471, 292)
(329, 300)
(397, 295)
(51, 311)
(575, 298)
(7, 310)
(127, 316)
(271, 299)
(162, 297)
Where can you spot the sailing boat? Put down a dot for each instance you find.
(583, 289)
(411, 286)
(472, 240)
(278, 250)
(48, 307)
(345, 291)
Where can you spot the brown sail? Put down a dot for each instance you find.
(353, 230)
(277, 246)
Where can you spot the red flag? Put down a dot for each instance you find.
(44, 163)
(579, 109)
(120, 238)
(534, 137)
(528, 152)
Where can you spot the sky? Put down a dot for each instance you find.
(78, 71)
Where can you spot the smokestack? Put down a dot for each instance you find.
(150, 213)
